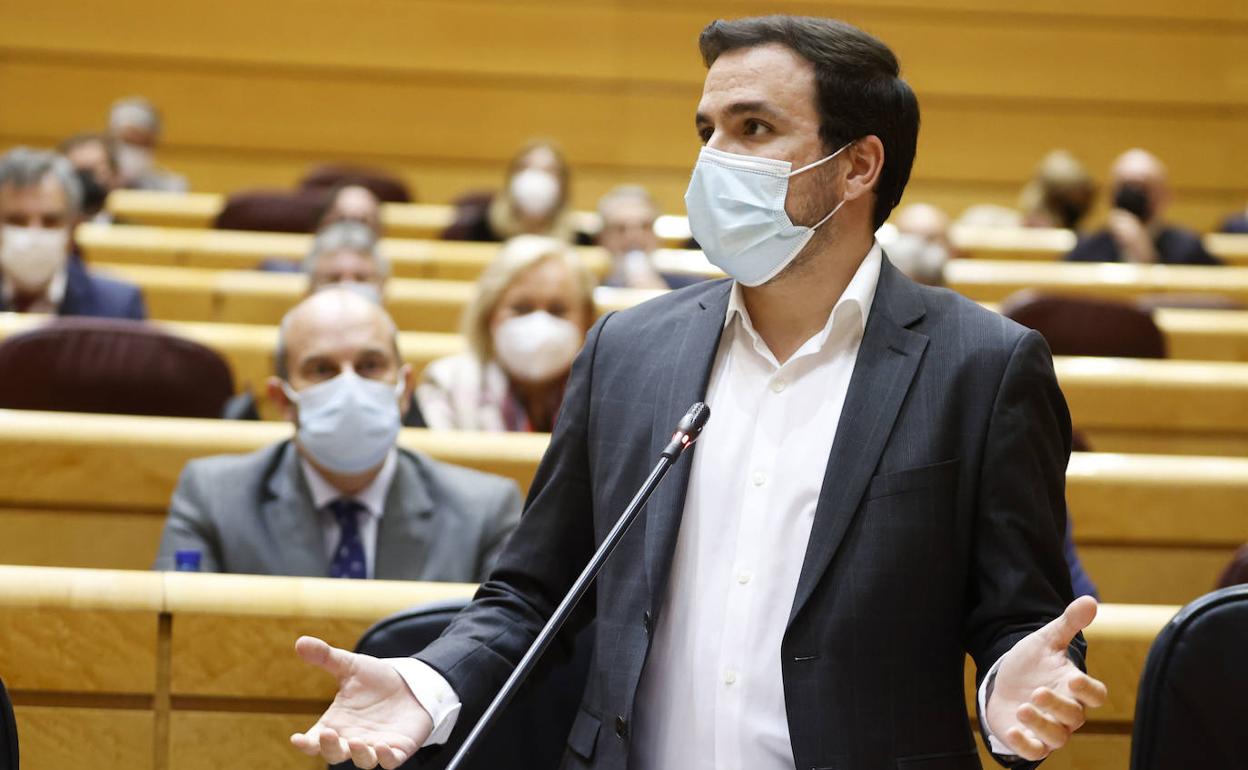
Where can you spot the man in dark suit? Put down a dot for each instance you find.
(341, 499)
(1136, 229)
(880, 488)
(40, 200)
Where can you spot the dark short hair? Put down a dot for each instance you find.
(104, 140)
(859, 91)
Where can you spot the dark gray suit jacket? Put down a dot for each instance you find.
(938, 529)
(254, 514)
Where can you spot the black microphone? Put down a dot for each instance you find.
(687, 432)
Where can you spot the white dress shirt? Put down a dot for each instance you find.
(372, 497)
(711, 695)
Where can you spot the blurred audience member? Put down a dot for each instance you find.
(353, 203)
(628, 213)
(1235, 223)
(136, 126)
(345, 254)
(921, 246)
(1136, 228)
(40, 200)
(533, 201)
(534, 304)
(1059, 195)
(94, 158)
(341, 499)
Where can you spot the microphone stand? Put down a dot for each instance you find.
(686, 433)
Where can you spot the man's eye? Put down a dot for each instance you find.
(754, 128)
(705, 134)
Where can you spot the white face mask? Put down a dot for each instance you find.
(537, 346)
(30, 256)
(348, 423)
(736, 213)
(535, 192)
(133, 161)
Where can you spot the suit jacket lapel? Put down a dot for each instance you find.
(291, 520)
(404, 532)
(683, 383)
(887, 361)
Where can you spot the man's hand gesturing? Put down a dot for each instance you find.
(374, 719)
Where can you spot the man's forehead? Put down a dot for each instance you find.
(756, 73)
(45, 196)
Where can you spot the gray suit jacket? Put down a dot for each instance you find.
(254, 514)
(938, 529)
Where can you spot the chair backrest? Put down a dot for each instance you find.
(1236, 573)
(112, 366)
(1190, 708)
(1087, 326)
(273, 211)
(8, 732)
(387, 187)
(532, 732)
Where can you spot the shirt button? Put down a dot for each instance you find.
(730, 677)
(744, 576)
(778, 385)
(760, 478)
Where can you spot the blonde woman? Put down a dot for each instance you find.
(533, 306)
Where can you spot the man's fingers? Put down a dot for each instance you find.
(1068, 711)
(1051, 732)
(389, 757)
(1091, 692)
(362, 754)
(333, 748)
(317, 653)
(306, 742)
(1025, 743)
(1078, 615)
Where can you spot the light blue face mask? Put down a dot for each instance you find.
(736, 213)
(347, 423)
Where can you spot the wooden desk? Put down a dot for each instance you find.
(92, 491)
(239, 250)
(216, 683)
(986, 280)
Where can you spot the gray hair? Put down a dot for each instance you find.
(23, 168)
(134, 111)
(346, 235)
(626, 192)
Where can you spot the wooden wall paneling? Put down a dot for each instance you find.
(58, 737)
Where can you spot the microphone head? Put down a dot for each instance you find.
(694, 420)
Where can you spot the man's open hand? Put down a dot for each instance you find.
(1040, 695)
(374, 719)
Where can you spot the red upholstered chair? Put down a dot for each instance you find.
(274, 211)
(387, 187)
(1086, 326)
(112, 366)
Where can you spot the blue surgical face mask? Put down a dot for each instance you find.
(736, 213)
(348, 424)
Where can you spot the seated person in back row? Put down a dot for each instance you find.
(1136, 228)
(40, 199)
(534, 303)
(341, 499)
(345, 253)
(135, 124)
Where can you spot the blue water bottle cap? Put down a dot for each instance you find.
(187, 561)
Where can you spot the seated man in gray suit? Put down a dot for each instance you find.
(341, 499)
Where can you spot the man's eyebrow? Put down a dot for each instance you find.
(742, 108)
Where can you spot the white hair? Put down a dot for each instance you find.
(24, 167)
(347, 235)
(134, 111)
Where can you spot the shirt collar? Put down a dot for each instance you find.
(858, 296)
(372, 497)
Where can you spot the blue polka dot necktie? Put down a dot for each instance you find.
(349, 560)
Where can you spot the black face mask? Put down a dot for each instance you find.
(1133, 199)
(93, 193)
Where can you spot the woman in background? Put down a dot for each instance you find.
(533, 201)
(534, 304)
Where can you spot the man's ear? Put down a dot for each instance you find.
(277, 395)
(408, 378)
(866, 163)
